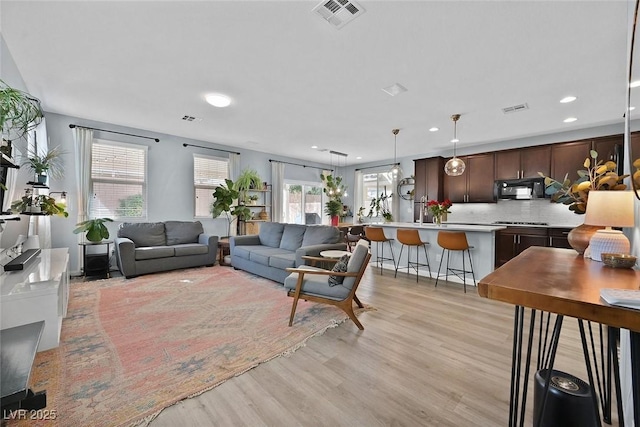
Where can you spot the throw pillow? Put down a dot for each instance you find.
(339, 267)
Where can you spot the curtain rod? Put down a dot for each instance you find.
(113, 131)
(297, 164)
(210, 148)
(378, 166)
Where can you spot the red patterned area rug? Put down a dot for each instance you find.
(130, 348)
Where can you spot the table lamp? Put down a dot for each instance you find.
(609, 209)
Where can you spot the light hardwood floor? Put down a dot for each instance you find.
(427, 357)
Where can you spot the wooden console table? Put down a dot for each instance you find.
(563, 282)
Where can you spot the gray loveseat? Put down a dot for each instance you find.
(150, 247)
(279, 246)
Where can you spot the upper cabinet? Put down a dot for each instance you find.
(523, 163)
(568, 158)
(475, 185)
(428, 182)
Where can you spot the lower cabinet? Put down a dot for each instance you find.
(513, 240)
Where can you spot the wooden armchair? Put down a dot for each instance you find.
(312, 283)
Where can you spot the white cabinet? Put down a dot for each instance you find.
(39, 292)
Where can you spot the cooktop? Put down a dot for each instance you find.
(519, 223)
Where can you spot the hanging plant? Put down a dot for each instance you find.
(19, 112)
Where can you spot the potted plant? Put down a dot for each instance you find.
(224, 201)
(597, 175)
(95, 229)
(380, 205)
(253, 199)
(41, 203)
(45, 164)
(334, 190)
(19, 112)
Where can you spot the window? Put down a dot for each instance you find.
(373, 186)
(303, 203)
(118, 180)
(208, 173)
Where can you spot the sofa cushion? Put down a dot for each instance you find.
(316, 284)
(320, 234)
(283, 261)
(340, 267)
(242, 251)
(191, 249)
(143, 233)
(262, 254)
(292, 236)
(153, 252)
(179, 232)
(271, 233)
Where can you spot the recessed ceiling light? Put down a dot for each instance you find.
(394, 89)
(359, 157)
(632, 108)
(218, 100)
(568, 99)
(434, 129)
(570, 119)
(635, 83)
(314, 146)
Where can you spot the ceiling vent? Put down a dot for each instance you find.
(188, 118)
(338, 13)
(515, 108)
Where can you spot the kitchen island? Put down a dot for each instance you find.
(481, 237)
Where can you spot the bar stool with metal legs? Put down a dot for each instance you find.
(409, 238)
(376, 234)
(455, 241)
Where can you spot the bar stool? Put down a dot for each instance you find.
(409, 238)
(376, 234)
(455, 241)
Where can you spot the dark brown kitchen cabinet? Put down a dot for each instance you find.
(513, 240)
(475, 185)
(558, 238)
(428, 182)
(568, 158)
(523, 162)
(609, 148)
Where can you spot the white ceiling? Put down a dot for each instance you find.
(296, 81)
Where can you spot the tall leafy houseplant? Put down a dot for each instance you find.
(224, 201)
(19, 112)
(334, 189)
(95, 229)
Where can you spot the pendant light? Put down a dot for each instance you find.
(455, 166)
(396, 170)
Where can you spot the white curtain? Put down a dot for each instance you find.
(82, 140)
(357, 192)
(277, 191)
(234, 166)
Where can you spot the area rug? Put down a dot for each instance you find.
(130, 348)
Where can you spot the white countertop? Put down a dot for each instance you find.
(445, 226)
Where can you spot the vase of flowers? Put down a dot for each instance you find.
(597, 175)
(439, 210)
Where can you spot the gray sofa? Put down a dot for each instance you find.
(278, 246)
(150, 247)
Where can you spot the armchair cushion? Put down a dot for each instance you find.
(340, 267)
(355, 262)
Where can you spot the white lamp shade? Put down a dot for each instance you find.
(609, 209)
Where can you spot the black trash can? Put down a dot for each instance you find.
(569, 402)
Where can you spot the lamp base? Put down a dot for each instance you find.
(608, 241)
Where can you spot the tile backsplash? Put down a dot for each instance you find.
(515, 210)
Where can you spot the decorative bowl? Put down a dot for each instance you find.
(618, 260)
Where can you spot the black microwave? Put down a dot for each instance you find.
(519, 189)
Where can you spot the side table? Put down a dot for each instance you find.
(96, 263)
(223, 249)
